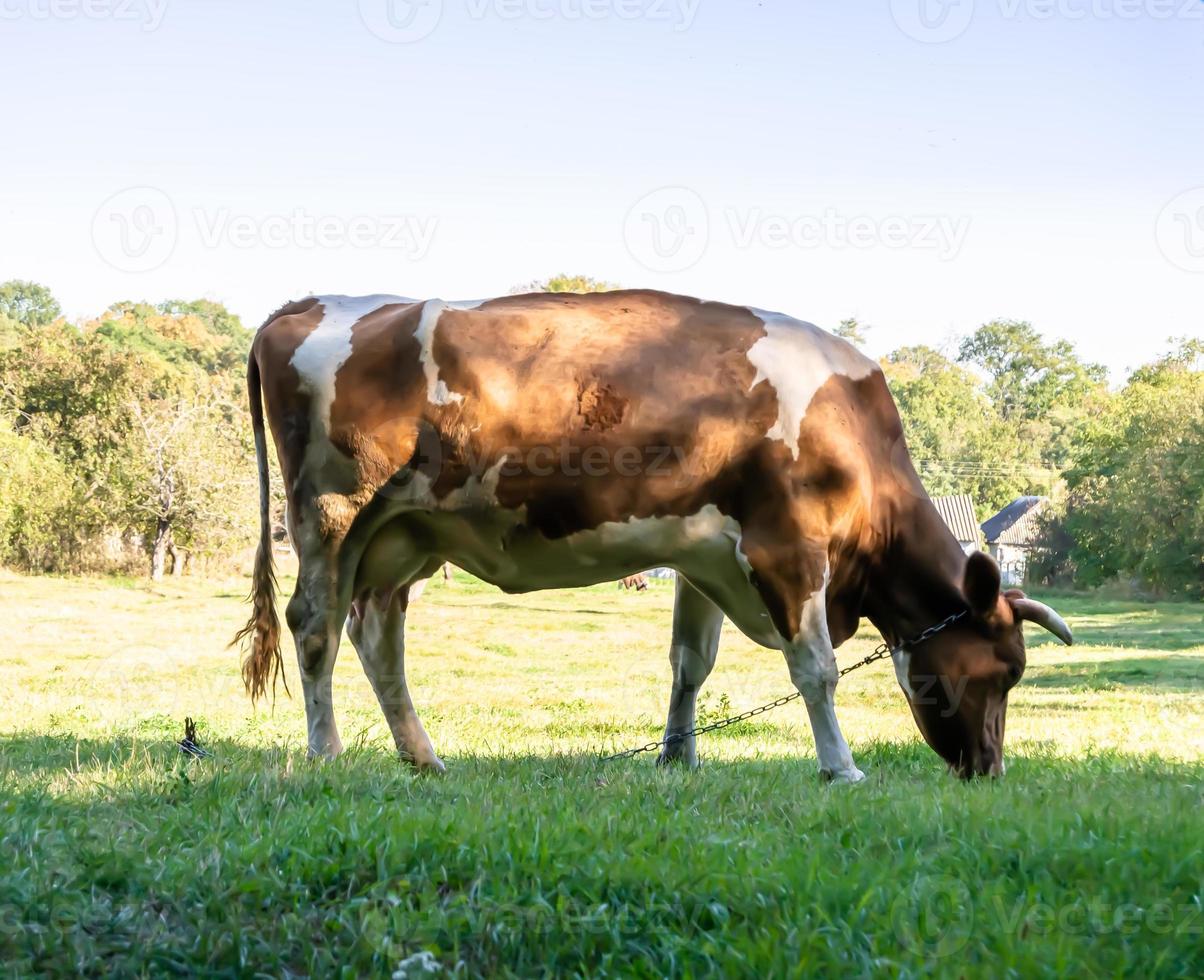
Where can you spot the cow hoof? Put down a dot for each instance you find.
(428, 767)
(326, 753)
(844, 777)
(681, 760)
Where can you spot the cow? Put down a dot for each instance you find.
(558, 440)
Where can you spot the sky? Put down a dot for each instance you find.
(922, 165)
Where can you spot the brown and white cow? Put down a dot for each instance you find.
(554, 440)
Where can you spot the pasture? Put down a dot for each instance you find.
(530, 856)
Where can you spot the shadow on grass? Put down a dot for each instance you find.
(1172, 673)
(42, 756)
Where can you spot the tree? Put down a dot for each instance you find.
(35, 500)
(138, 420)
(1044, 388)
(565, 284)
(852, 331)
(177, 336)
(28, 303)
(1135, 503)
(193, 486)
(957, 441)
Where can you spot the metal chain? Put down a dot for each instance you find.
(881, 651)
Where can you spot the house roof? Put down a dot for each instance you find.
(1016, 523)
(957, 512)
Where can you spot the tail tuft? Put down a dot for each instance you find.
(263, 662)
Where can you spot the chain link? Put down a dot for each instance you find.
(881, 652)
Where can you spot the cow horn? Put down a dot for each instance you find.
(1042, 615)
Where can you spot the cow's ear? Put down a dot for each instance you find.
(981, 583)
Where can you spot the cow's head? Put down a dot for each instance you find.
(957, 681)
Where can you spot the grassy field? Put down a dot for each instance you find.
(532, 857)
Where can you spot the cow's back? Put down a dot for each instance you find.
(593, 407)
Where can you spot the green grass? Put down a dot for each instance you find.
(531, 857)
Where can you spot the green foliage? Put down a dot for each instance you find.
(189, 459)
(852, 331)
(566, 284)
(1136, 489)
(175, 337)
(1042, 387)
(958, 441)
(138, 419)
(28, 303)
(35, 501)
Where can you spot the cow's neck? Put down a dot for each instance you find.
(918, 581)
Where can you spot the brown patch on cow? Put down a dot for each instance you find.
(599, 405)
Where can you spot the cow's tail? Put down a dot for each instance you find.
(263, 662)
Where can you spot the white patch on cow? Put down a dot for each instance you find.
(467, 528)
(797, 358)
(813, 621)
(437, 392)
(902, 661)
(320, 355)
(812, 664)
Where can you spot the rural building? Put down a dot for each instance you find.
(1011, 534)
(957, 511)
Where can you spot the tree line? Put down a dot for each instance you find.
(125, 442)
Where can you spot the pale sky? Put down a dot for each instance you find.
(924, 165)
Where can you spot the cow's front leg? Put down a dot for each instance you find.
(377, 628)
(696, 625)
(812, 663)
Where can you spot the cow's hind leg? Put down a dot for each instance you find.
(311, 619)
(377, 628)
(696, 625)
